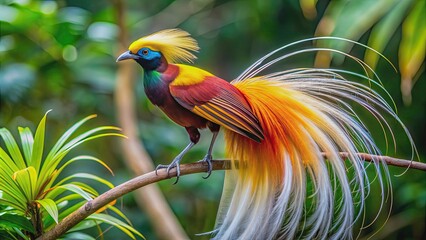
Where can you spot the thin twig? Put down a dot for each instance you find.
(198, 167)
(389, 160)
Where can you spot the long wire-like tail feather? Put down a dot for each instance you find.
(283, 187)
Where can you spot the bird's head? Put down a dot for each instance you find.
(157, 49)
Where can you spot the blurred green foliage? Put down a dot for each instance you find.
(382, 18)
(60, 55)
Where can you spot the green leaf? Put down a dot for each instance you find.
(79, 158)
(350, 23)
(77, 141)
(412, 48)
(49, 222)
(62, 148)
(38, 146)
(27, 143)
(11, 220)
(71, 209)
(124, 227)
(10, 191)
(26, 179)
(89, 135)
(309, 8)
(85, 187)
(83, 225)
(13, 198)
(12, 234)
(78, 236)
(67, 198)
(6, 174)
(85, 157)
(62, 140)
(383, 31)
(50, 206)
(7, 163)
(70, 187)
(13, 149)
(119, 213)
(349, 19)
(87, 176)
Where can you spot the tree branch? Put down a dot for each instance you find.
(389, 160)
(197, 167)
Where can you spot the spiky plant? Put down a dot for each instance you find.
(33, 199)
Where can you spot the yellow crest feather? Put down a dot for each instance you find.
(175, 45)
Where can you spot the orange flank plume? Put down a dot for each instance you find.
(300, 119)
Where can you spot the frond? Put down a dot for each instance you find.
(175, 44)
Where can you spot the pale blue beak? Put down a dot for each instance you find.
(127, 55)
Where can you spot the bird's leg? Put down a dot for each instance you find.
(194, 136)
(175, 162)
(208, 158)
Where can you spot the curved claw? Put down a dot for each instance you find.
(209, 170)
(161, 166)
(208, 160)
(169, 168)
(177, 172)
(176, 161)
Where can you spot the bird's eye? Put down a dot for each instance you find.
(145, 52)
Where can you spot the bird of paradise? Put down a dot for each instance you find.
(279, 127)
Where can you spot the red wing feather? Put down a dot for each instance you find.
(220, 102)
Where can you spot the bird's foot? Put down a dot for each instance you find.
(208, 159)
(174, 163)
